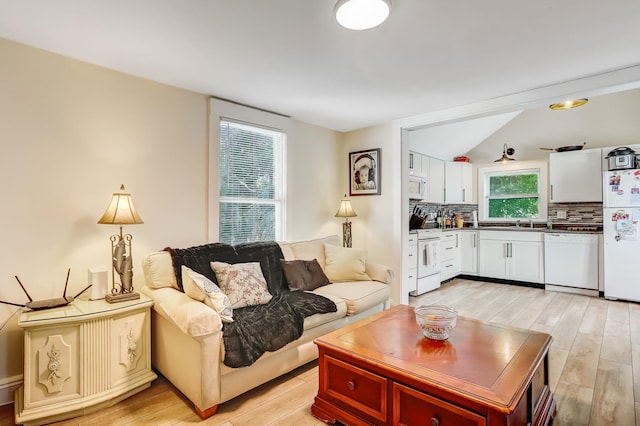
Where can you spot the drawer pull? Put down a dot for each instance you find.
(435, 421)
(351, 385)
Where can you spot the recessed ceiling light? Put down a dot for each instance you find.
(362, 14)
(568, 104)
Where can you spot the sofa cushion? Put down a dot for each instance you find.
(311, 249)
(320, 319)
(345, 264)
(243, 283)
(201, 288)
(304, 274)
(158, 270)
(358, 295)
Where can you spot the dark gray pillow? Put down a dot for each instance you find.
(305, 275)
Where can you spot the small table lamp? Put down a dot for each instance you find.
(121, 212)
(346, 211)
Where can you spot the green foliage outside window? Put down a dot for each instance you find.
(513, 196)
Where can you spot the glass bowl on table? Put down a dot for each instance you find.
(436, 321)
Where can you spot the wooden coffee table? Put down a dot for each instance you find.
(382, 371)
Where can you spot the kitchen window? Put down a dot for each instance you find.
(513, 192)
(249, 175)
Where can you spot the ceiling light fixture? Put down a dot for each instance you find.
(505, 152)
(568, 104)
(362, 14)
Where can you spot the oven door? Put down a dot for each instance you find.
(428, 257)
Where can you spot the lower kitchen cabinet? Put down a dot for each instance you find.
(512, 255)
(449, 254)
(469, 252)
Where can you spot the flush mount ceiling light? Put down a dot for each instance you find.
(505, 153)
(568, 104)
(362, 14)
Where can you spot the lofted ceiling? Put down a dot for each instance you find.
(291, 57)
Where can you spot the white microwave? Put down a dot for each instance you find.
(417, 187)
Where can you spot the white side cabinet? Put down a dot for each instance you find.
(469, 252)
(575, 176)
(82, 357)
(458, 183)
(514, 255)
(449, 255)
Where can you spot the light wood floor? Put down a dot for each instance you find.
(594, 365)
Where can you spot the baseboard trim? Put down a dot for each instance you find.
(8, 387)
(501, 281)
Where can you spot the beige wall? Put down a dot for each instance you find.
(72, 132)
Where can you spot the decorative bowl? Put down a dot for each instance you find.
(436, 321)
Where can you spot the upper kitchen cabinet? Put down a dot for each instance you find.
(458, 183)
(415, 164)
(435, 179)
(575, 176)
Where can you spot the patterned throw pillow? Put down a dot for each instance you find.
(201, 288)
(243, 283)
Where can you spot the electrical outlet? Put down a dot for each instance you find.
(561, 214)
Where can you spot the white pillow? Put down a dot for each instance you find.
(201, 288)
(345, 264)
(243, 283)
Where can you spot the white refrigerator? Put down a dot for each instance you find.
(621, 219)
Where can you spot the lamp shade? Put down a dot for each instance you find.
(362, 14)
(121, 210)
(345, 209)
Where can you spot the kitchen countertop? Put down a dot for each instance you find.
(560, 230)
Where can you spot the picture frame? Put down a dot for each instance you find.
(364, 172)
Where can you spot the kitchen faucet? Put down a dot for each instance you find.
(531, 223)
(518, 223)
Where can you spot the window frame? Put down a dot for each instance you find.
(241, 114)
(519, 167)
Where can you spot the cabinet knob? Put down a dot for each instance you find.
(351, 385)
(435, 421)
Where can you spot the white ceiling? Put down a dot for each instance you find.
(291, 57)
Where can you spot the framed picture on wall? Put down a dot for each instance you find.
(364, 172)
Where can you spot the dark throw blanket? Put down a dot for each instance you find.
(262, 328)
(266, 328)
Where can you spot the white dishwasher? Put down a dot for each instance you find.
(571, 260)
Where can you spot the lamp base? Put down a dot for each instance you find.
(123, 297)
(346, 234)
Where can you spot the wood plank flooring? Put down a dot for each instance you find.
(594, 365)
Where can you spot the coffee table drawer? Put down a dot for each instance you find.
(354, 388)
(411, 407)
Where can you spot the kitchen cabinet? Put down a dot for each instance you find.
(512, 255)
(575, 176)
(469, 252)
(434, 172)
(458, 183)
(449, 255)
(415, 164)
(411, 263)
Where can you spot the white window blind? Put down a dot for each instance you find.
(251, 182)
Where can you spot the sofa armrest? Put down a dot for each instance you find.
(193, 318)
(379, 272)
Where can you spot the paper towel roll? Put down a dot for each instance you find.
(475, 218)
(99, 283)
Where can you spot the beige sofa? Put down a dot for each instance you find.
(187, 344)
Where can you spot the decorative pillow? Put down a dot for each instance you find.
(345, 264)
(202, 289)
(305, 275)
(243, 283)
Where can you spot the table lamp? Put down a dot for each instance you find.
(121, 212)
(345, 210)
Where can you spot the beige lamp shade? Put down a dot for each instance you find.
(121, 210)
(345, 209)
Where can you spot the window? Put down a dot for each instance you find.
(513, 192)
(250, 183)
(247, 176)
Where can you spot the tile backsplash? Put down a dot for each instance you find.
(576, 213)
